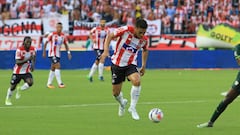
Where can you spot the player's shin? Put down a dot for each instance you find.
(135, 92)
(100, 69)
(9, 93)
(93, 69)
(50, 77)
(119, 98)
(58, 76)
(25, 86)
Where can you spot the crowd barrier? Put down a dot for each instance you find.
(156, 59)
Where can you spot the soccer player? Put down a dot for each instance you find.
(56, 39)
(231, 95)
(124, 63)
(25, 61)
(98, 35)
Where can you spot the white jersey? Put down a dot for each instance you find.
(22, 54)
(127, 46)
(55, 42)
(100, 36)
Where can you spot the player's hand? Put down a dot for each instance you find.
(69, 56)
(44, 54)
(31, 57)
(142, 71)
(32, 68)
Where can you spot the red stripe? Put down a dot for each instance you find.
(120, 56)
(98, 39)
(55, 50)
(131, 59)
(119, 40)
(28, 69)
(18, 69)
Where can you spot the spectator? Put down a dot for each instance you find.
(14, 9)
(76, 15)
(23, 13)
(53, 12)
(5, 14)
(107, 14)
(36, 10)
(96, 16)
(46, 7)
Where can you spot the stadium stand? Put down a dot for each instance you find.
(178, 16)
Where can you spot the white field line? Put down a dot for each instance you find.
(100, 104)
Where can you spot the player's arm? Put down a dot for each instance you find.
(44, 49)
(144, 61)
(19, 59)
(33, 62)
(108, 39)
(91, 35)
(22, 61)
(68, 50)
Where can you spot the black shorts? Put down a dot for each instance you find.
(98, 53)
(16, 78)
(54, 59)
(120, 73)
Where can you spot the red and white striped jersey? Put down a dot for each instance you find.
(127, 46)
(55, 42)
(99, 35)
(178, 21)
(22, 54)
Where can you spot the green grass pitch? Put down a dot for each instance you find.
(187, 98)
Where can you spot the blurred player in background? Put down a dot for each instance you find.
(98, 36)
(25, 61)
(124, 62)
(232, 94)
(56, 39)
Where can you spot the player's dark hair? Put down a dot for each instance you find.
(25, 38)
(59, 23)
(141, 23)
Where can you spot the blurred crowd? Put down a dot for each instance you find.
(177, 16)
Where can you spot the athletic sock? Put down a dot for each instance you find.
(119, 98)
(50, 77)
(93, 69)
(9, 93)
(221, 107)
(135, 92)
(100, 69)
(25, 86)
(58, 76)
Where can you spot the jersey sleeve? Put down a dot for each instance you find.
(65, 39)
(49, 37)
(18, 55)
(120, 31)
(146, 43)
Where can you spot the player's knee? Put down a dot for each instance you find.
(136, 82)
(116, 93)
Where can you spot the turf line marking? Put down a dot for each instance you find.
(100, 104)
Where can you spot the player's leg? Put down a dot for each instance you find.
(28, 82)
(117, 79)
(101, 66)
(92, 70)
(58, 75)
(14, 81)
(232, 94)
(135, 93)
(51, 77)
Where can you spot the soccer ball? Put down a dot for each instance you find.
(155, 115)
